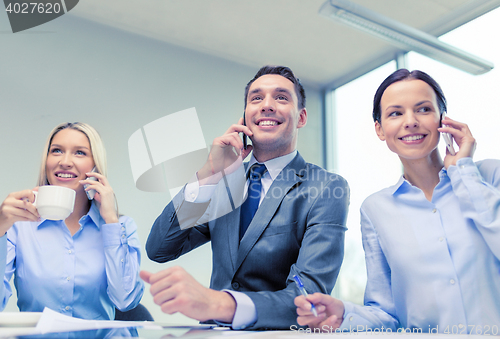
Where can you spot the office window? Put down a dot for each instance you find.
(473, 100)
(367, 163)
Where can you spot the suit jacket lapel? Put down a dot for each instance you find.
(282, 185)
(231, 221)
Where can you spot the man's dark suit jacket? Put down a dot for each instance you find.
(298, 229)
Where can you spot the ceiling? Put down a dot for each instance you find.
(322, 52)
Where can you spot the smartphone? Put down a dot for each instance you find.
(448, 139)
(91, 193)
(245, 140)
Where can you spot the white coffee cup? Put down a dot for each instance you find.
(54, 202)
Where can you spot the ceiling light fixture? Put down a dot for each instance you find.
(403, 36)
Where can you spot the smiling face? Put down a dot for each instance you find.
(69, 158)
(273, 116)
(409, 119)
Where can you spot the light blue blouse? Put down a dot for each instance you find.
(85, 275)
(433, 266)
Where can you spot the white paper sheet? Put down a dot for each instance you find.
(51, 322)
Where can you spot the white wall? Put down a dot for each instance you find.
(71, 70)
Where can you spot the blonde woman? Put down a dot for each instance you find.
(83, 266)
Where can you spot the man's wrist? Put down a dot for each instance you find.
(207, 177)
(225, 307)
(204, 172)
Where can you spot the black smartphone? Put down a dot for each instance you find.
(244, 136)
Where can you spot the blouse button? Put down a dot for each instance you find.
(441, 239)
(67, 308)
(434, 210)
(351, 318)
(452, 281)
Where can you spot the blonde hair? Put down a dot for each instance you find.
(96, 147)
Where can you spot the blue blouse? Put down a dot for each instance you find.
(85, 275)
(433, 266)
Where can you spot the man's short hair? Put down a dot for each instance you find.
(284, 72)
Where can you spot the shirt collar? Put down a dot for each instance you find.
(404, 185)
(400, 185)
(276, 165)
(93, 215)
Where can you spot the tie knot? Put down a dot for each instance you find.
(257, 171)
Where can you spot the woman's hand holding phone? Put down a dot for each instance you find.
(104, 195)
(463, 138)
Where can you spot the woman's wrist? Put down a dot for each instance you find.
(112, 219)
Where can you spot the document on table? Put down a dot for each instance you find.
(52, 321)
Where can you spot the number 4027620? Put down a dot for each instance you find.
(472, 329)
(33, 8)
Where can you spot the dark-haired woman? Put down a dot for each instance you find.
(432, 241)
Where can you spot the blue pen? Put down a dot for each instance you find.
(303, 291)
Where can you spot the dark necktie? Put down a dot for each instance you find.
(249, 207)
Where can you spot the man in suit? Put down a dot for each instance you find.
(298, 227)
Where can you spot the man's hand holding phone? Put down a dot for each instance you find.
(227, 152)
